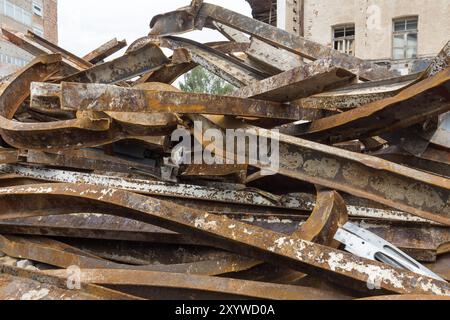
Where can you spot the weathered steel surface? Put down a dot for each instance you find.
(9, 156)
(415, 104)
(224, 66)
(398, 155)
(442, 266)
(105, 50)
(298, 83)
(409, 190)
(442, 61)
(18, 288)
(405, 297)
(100, 97)
(59, 135)
(357, 95)
(91, 160)
(60, 255)
(261, 53)
(164, 25)
(231, 287)
(108, 126)
(329, 214)
(168, 74)
(27, 43)
(228, 234)
(423, 243)
(133, 64)
(17, 284)
(298, 202)
(79, 62)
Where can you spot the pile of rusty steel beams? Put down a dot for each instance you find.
(98, 202)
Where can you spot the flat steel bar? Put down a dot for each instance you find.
(254, 242)
(423, 243)
(64, 256)
(91, 160)
(163, 25)
(226, 67)
(53, 287)
(59, 135)
(35, 48)
(17, 288)
(413, 105)
(133, 64)
(9, 156)
(101, 97)
(358, 95)
(232, 287)
(105, 50)
(299, 202)
(297, 83)
(81, 63)
(273, 58)
(416, 192)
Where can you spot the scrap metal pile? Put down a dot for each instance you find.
(95, 205)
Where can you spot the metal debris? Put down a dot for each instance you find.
(87, 156)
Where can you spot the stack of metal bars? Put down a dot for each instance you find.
(97, 202)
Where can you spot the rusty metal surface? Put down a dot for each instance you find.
(413, 105)
(224, 66)
(134, 63)
(90, 179)
(63, 256)
(38, 46)
(298, 254)
(297, 83)
(360, 175)
(107, 98)
(231, 287)
(164, 25)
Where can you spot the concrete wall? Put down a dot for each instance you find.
(373, 22)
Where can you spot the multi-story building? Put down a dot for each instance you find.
(402, 34)
(39, 16)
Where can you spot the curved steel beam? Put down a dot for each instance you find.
(88, 130)
(255, 242)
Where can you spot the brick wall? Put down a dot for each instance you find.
(51, 20)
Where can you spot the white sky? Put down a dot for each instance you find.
(86, 24)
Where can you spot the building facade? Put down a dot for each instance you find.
(39, 16)
(402, 34)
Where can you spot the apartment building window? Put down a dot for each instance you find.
(406, 32)
(37, 9)
(344, 39)
(7, 59)
(39, 31)
(9, 9)
(17, 13)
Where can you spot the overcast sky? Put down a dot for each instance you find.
(86, 24)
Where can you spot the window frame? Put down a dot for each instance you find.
(17, 14)
(38, 30)
(405, 33)
(345, 39)
(40, 12)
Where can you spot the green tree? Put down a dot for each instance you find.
(200, 80)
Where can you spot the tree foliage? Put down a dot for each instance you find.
(200, 80)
